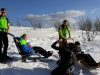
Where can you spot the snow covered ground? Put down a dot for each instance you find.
(45, 37)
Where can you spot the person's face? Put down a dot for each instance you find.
(65, 23)
(77, 46)
(0, 12)
(61, 42)
(26, 37)
(3, 13)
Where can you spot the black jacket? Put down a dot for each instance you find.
(64, 53)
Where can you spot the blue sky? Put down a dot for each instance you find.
(50, 10)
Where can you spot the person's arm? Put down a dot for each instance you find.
(69, 32)
(54, 46)
(74, 58)
(8, 25)
(79, 51)
(8, 30)
(26, 49)
(60, 33)
(25, 46)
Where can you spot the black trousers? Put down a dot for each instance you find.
(40, 50)
(88, 59)
(60, 70)
(3, 43)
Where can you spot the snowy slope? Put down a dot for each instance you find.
(44, 38)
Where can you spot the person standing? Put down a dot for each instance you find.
(4, 29)
(64, 30)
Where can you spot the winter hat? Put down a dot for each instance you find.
(65, 21)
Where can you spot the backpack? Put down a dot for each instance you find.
(62, 27)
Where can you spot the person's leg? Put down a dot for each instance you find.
(42, 51)
(88, 59)
(5, 42)
(94, 63)
(89, 56)
(59, 62)
(79, 56)
(65, 69)
(1, 44)
(56, 70)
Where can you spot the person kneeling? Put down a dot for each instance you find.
(67, 58)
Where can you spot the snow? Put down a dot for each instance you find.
(45, 37)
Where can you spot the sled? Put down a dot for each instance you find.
(82, 62)
(24, 55)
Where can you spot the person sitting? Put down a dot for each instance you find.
(26, 47)
(75, 47)
(87, 58)
(67, 57)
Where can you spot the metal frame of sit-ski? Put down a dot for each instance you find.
(23, 56)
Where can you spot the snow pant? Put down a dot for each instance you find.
(60, 70)
(88, 59)
(40, 50)
(3, 43)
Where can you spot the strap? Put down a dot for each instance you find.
(3, 30)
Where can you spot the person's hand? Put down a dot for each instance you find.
(65, 39)
(80, 52)
(60, 40)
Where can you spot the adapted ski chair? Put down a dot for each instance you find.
(21, 52)
(80, 61)
(84, 64)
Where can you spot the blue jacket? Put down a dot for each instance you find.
(26, 47)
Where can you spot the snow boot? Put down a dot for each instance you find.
(6, 58)
(49, 53)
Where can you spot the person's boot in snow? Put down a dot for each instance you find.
(49, 53)
(6, 58)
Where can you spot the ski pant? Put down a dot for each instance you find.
(40, 50)
(3, 42)
(88, 59)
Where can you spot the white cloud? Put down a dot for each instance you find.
(94, 10)
(59, 16)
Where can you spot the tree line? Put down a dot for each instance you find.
(89, 27)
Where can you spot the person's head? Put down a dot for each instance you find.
(62, 42)
(3, 11)
(77, 43)
(65, 22)
(65, 45)
(25, 36)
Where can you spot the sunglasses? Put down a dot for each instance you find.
(3, 12)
